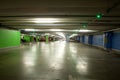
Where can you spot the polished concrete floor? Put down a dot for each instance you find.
(58, 61)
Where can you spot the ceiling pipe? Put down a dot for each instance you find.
(53, 16)
(115, 5)
(112, 30)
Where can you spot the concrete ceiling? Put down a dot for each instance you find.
(20, 14)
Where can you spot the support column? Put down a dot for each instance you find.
(83, 39)
(90, 39)
(47, 38)
(67, 37)
(78, 38)
(108, 40)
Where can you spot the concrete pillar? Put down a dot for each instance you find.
(47, 38)
(90, 39)
(78, 38)
(67, 37)
(108, 40)
(83, 39)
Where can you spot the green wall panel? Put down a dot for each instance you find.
(27, 38)
(9, 38)
(32, 39)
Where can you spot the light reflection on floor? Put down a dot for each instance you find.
(58, 61)
(82, 67)
(29, 60)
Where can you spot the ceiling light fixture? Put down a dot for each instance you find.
(30, 29)
(84, 25)
(46, 20)
(99, 16)
(56, 30)
(86, 30)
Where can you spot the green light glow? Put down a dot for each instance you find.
(84, 25)
(99, 16)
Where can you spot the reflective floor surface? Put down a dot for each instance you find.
(58, 61)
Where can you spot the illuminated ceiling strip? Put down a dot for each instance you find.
(46, 20)
(58, 30)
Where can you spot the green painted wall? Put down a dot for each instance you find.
(27, 38)
(9, 38)
(32, 39)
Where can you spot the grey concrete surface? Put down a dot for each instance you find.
(58, 61)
